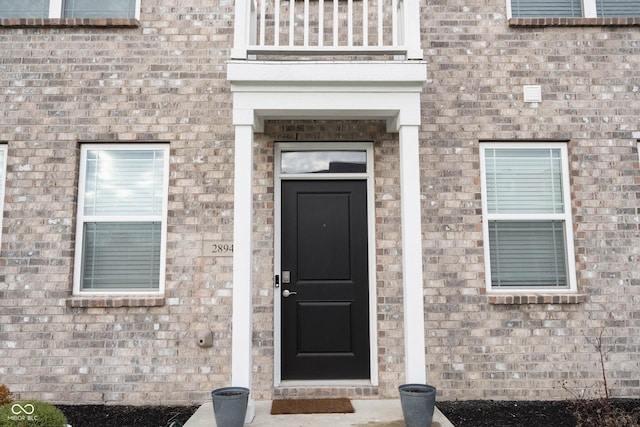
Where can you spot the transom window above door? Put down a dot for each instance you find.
(573, 8)
(323, 161)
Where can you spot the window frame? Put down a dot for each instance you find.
(566, 216)
(589, 10)
(3, 178)
(56, 10)
(81, 219)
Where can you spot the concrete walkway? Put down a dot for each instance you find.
(369, 413)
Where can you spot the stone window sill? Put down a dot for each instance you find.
(574, 22)
(114, 302)
(69, 22)
(537, 299)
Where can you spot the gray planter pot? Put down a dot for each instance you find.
(418, 403)
(230, 406)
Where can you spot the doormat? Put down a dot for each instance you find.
(312, 406)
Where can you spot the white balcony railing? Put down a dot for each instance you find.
(327, 27)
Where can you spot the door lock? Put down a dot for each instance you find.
(286, 277)
(287, 292)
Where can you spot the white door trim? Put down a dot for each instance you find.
(369, 177)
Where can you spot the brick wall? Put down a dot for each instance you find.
(480, 347)
(164, 81)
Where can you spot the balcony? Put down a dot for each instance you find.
(328, 28)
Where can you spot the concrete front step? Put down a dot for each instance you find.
(368, 413)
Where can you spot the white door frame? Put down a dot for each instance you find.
(369, 177)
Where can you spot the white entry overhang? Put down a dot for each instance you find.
(385, 90)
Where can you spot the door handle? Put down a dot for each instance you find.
(287, 292)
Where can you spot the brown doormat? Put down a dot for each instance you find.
(312, 406)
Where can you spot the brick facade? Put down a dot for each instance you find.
(164, 80)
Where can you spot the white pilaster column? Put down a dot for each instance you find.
(413, 294)
(242, 266)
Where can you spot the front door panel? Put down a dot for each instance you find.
(325, 318)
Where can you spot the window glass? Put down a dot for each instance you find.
(69, 9)
(546, 8)
(294, 162)
(524, 180)
(122, 219)
(121, 255)
(574, 8)
(527, 253)
(124, 182)
(99, 8)
(24, 8)
(617, 8)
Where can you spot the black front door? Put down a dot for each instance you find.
(325, 318)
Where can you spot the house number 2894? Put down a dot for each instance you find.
(218, 248)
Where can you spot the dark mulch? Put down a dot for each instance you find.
(491, 413)
(472, 413)
(126, 416)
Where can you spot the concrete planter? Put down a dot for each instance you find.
(418, 403)
(230, 406)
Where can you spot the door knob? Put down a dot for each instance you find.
(287, 292)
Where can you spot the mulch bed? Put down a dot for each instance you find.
(491, 413)
(126, 416)
(472, 413)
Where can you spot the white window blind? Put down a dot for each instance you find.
(525, 217)
(121, 255)
(69, 8)
(527, 253)
(574, 8)
(546, 8)
(24, 8)
(618, 8)
(127, 182)
(99, 8)
(524, 180)
(123, 205)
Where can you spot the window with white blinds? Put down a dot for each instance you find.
(527, 216)
(122, 218)
(69, 8)
(573, 8)
(546, 8)
(24, 8)
(99, 8)
(617, 8)
(3, 178)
